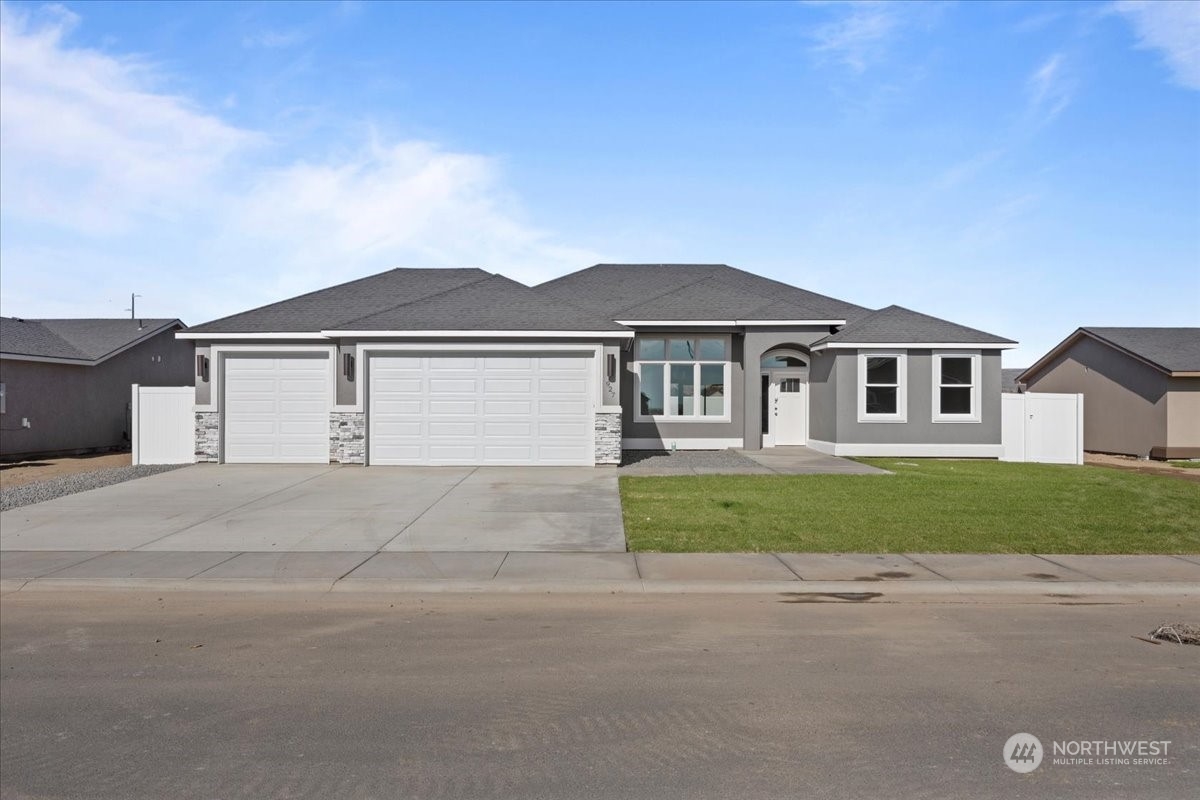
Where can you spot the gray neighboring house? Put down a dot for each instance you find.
(65, 383)
(461, 366)
(1141, 388)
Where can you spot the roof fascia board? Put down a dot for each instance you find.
(916, 345)
(282, 335)
(479, 334)
(729, 323)
(48, 359)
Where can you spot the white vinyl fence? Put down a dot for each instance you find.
(1047, 428)
(163, 424)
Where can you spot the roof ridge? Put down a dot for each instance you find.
(487, 276)
(643, 300)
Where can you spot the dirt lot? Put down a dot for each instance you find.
(1141, 465)
(22, 472)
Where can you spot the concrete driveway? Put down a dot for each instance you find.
(321, 508)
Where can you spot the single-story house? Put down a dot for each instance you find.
(65, 384)
(1140, 387)
(1008, 379)
(461, 366)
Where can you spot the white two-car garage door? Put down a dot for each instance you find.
(276, 410)
(480, 409)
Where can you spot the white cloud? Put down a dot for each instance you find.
(1171, 27)
(1051, 88)
(111, 184)
(87, 141)
(857, 37)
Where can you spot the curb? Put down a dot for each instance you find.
(853, 591)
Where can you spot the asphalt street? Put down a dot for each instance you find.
(293, 695)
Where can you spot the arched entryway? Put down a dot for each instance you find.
(783, 372)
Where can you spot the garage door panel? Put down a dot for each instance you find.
(503, 407)
(467, 429)
(567, 408)
(398, 385)
(276, 410)
(574, 386)
(451, 407)
(481, 410)
(437, 363)
(506, 363)
(502, 429)
(493, 386)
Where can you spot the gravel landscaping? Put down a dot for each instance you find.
(41, 491)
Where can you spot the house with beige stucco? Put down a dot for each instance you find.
(1141, 388)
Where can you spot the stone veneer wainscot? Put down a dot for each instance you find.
(608, 437)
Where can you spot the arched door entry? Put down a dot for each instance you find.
(784, 398)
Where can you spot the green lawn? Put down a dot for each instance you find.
(926, 506)
(1185, 464)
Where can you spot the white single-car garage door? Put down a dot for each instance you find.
(276, 410)
(480, 409)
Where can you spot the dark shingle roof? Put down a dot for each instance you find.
(900, 325)
(1172, 349)
(691, 291)
(330, 308)
(76, 339)
(1008, 379)
(495, 303)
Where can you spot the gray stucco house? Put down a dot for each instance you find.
(65, 383)
(1140, 387)
(461, 366)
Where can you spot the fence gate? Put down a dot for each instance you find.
(163, 424)
(1046, 428)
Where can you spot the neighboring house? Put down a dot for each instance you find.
(65, 383)
(460, 366)
(1141, 388)
(1008, 380)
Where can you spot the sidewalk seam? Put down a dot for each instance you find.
(1064, 566)
(500, 566)
(788, 566)
(206, 569)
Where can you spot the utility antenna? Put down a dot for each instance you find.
(133, 305)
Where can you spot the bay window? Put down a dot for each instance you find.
(682, 377)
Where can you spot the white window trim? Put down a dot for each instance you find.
(901, 414)
(638, 416)
(936, 396)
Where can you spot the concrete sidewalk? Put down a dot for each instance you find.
(854, 576)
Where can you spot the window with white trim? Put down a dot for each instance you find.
(956, 387)
(682, 378)
(882, 387)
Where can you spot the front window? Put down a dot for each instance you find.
(956, 387)
(882, 387)
(683, 377)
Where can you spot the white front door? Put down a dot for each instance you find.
(472, 408)
(786, 408)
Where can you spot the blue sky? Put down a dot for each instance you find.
(1024, 168)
